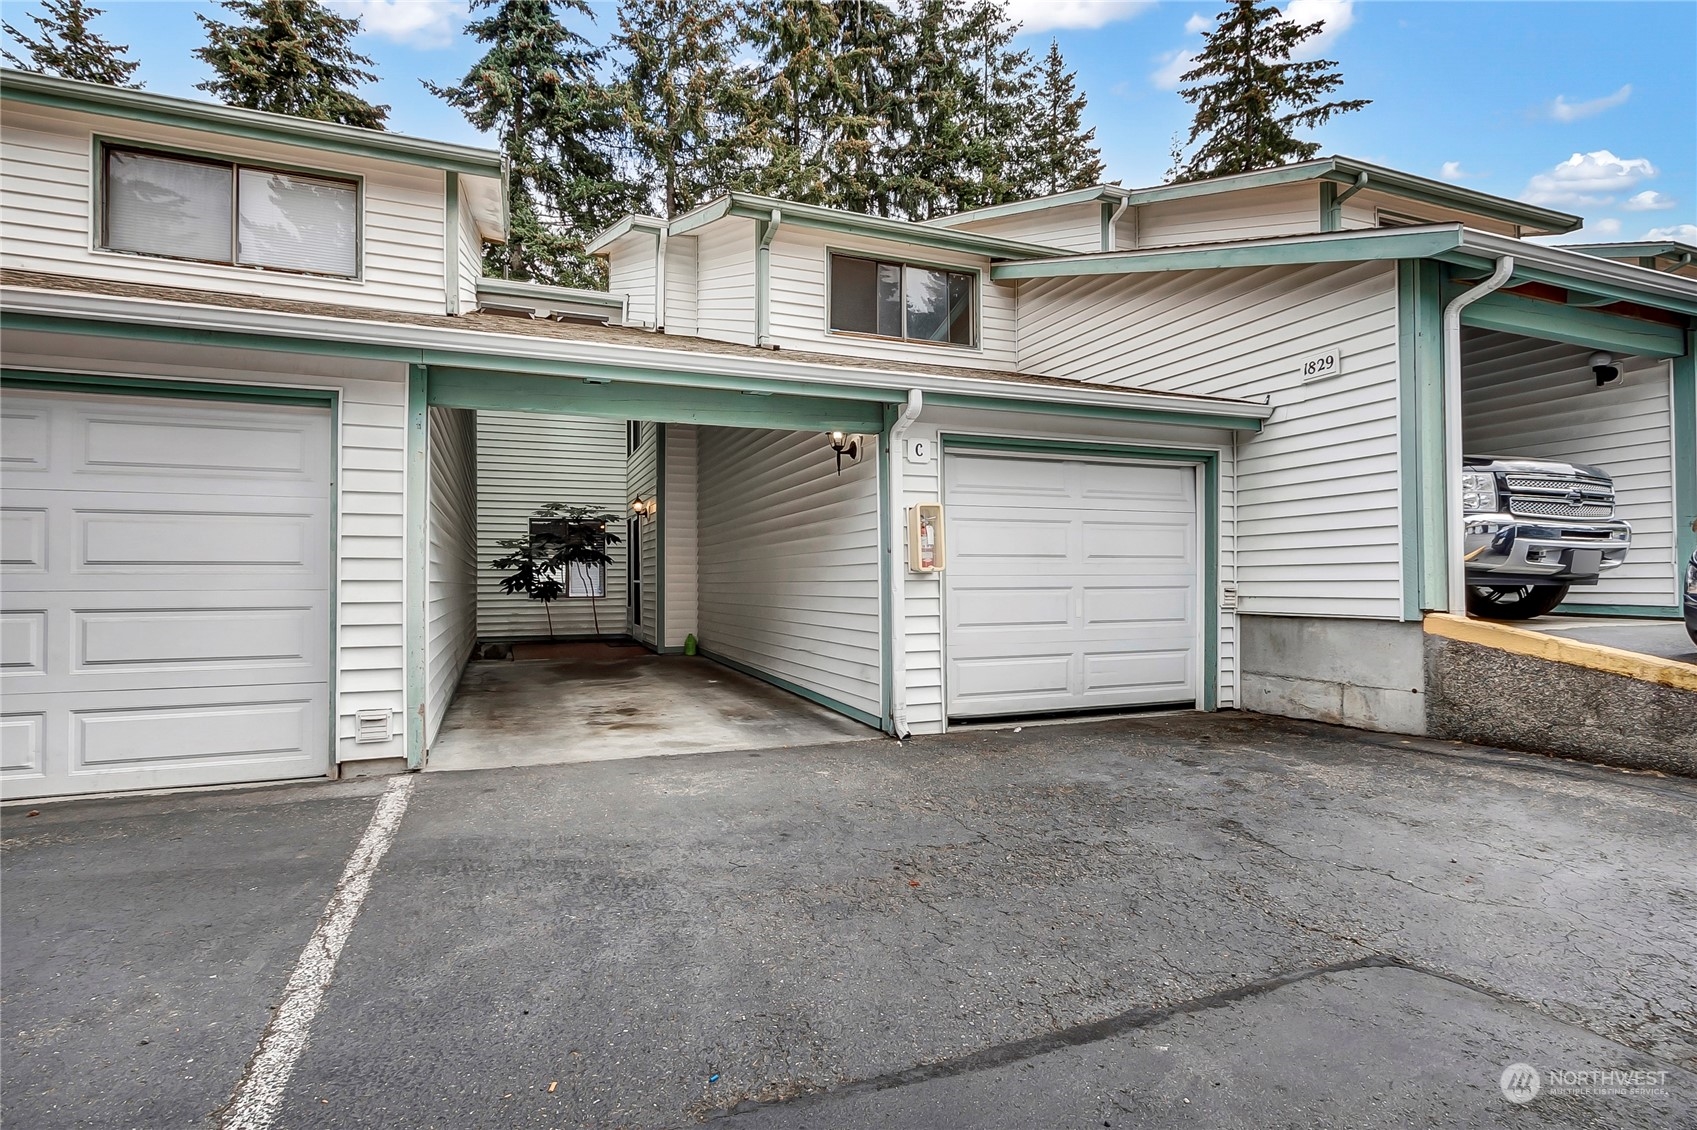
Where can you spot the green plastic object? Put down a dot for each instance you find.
(689, 644)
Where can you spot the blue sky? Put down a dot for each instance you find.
(1586, 107)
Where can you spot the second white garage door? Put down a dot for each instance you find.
(1071, 585)
(166, 611)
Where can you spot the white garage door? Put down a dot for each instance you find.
(166, 610)
(1071, 585)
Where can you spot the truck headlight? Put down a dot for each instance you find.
(1478, 492)
(1691, 577)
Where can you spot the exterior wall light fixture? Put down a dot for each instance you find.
(845, 444)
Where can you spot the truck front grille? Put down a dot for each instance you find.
(1561, 496)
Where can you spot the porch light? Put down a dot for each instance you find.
(844, 444)
(639, 507)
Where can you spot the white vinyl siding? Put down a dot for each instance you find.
(1319, 528)
(1258, 213)
(724, 298)
(470, 267)
(1075, 227)
(630, 272)
(1539, 400)
(923, 592)
(643, 475)
(789, 562)
(800, 259)
(451, 595)
(49, 187)
(678, 517)
(371, 493)
(680, 284)
(526, 460)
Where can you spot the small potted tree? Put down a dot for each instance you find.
(562, 539)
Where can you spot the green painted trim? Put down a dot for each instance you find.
(699, 218)
(1331, 212)
(1638, 611)
(1330, 247)
(178, 335)
(1408, 437)
(1108, 209)
(1421, 393)
(1107, 192)
(1209, 461)
(1223, 421)
(542, 292)
(794, 688)
(1575, 325)
(1651, 249)
(451, 245)
(887, 612)
(329, 399)
(250, 125)
(1658, 289)
(563, 394)
(663, 505)
(180, 390)
(1684, 459)
(621, 228)
(417, 547)
(878, 227)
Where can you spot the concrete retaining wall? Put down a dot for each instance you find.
(1364, 673)
(1495, 697)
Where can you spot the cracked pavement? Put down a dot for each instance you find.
(1153, 921)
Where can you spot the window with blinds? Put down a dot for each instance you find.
(221, 212)
(901, 300)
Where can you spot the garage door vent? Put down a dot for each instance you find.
(373, 726)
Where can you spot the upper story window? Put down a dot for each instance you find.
(633, 436)
(224, 212)
(900, 300)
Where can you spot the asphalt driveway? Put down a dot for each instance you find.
(1169, 921)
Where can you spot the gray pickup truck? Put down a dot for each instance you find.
(1535, 528)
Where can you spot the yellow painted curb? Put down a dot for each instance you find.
(1595, 656)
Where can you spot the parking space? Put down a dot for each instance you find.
(1663, 639)
(1099, 920)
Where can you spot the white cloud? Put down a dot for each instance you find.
(1682, 233)
(1335, 16)
(1564, 111)
(1050, 15)
(1608, 226)
(1649, 201)
(1587, 178)
(1452, 171)
(416, 23)
(1173, 65)
(1197, 24)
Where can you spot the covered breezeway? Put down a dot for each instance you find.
(1558, 375)
(741, 537)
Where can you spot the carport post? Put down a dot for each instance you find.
(1454, 513)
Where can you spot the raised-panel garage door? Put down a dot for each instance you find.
(166, 608)
(1071, 585)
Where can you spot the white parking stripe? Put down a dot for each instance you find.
(260, 1091)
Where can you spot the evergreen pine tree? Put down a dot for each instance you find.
(69, 49)
(857, 157)
(681, 97)
(932, 118)
(289, 57)
(1060, 154)
(537, 89)
(800, 80)
(1250, 98)
(1000, 86)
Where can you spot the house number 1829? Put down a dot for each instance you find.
(1319, 366)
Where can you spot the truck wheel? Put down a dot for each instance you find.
(1517, 602)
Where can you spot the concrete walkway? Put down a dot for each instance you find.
(1163, 922)
(601, 703)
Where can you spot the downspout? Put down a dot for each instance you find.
(660, 278)
(1111, 236)
(1454, 516)
(763, 279)
(898, 566)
